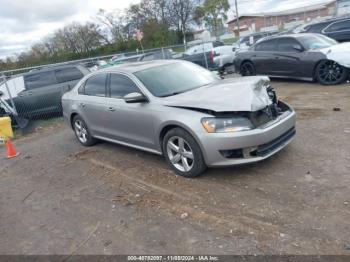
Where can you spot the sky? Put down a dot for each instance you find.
(23, 23)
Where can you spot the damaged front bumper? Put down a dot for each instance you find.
(226, 149)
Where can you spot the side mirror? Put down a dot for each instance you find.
(299, 48)
(135, 98)
(1, 93)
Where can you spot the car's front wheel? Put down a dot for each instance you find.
(183, 153)
(82, 132)
(247, 69)
(330, 73)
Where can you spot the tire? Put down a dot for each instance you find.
(328, 72)
(186, 160)
(247, 69)
(82, 132)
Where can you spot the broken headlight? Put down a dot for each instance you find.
(226, 125)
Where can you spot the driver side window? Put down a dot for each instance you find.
(121, 85)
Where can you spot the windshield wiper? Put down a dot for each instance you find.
(173, 94)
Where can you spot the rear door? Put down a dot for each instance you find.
(41, 94)
(92, 105)
(263, 57)
(287, 57)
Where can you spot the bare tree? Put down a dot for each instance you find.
(183, 14)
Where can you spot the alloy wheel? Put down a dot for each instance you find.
(180, 153)
(330, 72)
(80, 131)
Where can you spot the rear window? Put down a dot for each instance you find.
(40, 79)
(268, 45)
(95, 85)
(68, 74)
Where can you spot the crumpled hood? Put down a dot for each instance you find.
(339, 53)
(230, 95)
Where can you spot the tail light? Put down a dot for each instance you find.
(211, 56)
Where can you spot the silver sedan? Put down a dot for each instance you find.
(182, 111)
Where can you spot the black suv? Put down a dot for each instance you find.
(338, 29)
(39, 92)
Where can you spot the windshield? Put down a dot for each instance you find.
(316, 42)
(175, 78)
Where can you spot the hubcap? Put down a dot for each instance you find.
(180, 154)
(330, 72)
(80, 131)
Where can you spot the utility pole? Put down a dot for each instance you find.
(336, 8)
(237, 18)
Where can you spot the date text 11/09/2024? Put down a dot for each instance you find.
(173, 258)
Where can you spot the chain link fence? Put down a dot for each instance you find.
(33, 93)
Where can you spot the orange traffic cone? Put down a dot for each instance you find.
(11, 151)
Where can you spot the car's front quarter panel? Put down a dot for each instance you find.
(213, 143)
(187, 119)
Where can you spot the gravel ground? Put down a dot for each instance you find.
(60, 198)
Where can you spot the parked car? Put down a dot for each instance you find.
(156, 55)
(338, 29)
(203, 54)
(302, 56)
(223, 57)
(182, 111)
(39, 92)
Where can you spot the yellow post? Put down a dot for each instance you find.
(6, 131)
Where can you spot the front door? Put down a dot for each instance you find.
(130, 123)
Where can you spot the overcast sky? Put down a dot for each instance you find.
(23, 23)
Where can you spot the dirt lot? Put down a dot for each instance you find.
(60, 198)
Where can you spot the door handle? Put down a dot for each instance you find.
(29, 93)
(112, 109)
(82, 104)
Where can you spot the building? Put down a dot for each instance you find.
(273, 21)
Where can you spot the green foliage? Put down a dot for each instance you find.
(212, 13)
(157, 34)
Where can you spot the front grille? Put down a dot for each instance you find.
(267, 148)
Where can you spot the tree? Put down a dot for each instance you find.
(113, 21)
(183, 13)
(212, 13)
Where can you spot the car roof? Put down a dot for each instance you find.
(139, 66)
(289, 35)
(50, 68)
(329, 21)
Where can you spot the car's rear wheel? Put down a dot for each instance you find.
(247, 69)
(82, 132)
(330, 73)
(183, 153)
